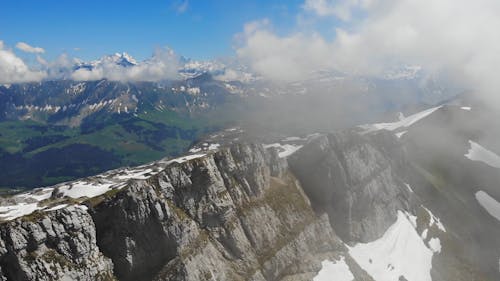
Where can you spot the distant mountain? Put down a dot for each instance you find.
(123, 59)
(135, 122)
(59, 130)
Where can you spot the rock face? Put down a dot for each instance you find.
(238, 213)
(356, 180)
(57, 245)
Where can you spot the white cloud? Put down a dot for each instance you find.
(14, 70)
(29, 49)
(282, 58)
(60, 68)
(457, 37)
(161, 66)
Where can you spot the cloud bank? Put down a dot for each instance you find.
(456, 38)
(162, 65)
(283, 58)
(14, 70)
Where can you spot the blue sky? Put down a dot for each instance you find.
(91, 28)
(364, 37)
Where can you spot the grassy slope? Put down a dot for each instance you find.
(132, 140)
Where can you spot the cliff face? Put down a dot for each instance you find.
(239, 213)
(58, 245)
(356, 180)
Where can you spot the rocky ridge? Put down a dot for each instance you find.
(240, 212)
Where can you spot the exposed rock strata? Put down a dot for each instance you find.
(239, 213)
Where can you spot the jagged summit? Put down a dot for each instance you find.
(119, 59)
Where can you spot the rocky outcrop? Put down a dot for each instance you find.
(56, 245)
(356, 180)
(238, 213)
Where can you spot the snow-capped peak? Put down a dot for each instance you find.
(120, 59)
(123, 59)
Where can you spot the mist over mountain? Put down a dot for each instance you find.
(311, 140)
(133, 122)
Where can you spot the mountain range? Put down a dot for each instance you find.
(412, 199)
(59, 128)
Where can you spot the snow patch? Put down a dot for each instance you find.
(479, 153)
(403, 123)
(138, 174)
(435, 220)
(435, 245)
(84, 189)
(284, 150)
(334, 270)
(424, 234)
(195, 150)
(56, 207)
(468, 108)
(389, 258)
(213, 146)
(489, 203)
(18, 210)
(204, 147)
(37, 194)
(82, 207)
(186, 158)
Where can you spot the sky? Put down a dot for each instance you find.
(200, 29)
(281, 40)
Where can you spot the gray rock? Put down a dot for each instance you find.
(56, 245)
(356, 180)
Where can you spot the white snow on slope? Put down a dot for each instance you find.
(334, 271)
(57, 207)
(424, 233)
(479, 153)
(85, 189)
(18, 210)
(405, 122)
(28, 202)
(138, 174)
(195, 149)
(204, 147)
(435, 245)
(213, 146)
(399, 252)
(37, 194)
(489, 203)
(284, 150)
(468, 108)
(433, 220)
(186, 158)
